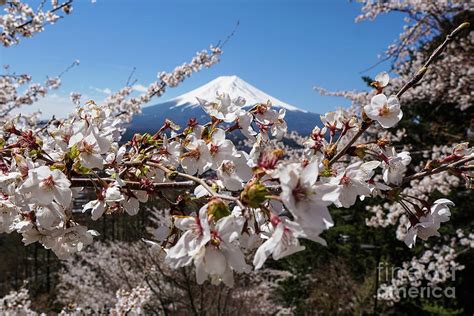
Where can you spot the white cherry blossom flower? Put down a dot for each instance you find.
(305, 198)
(234, 173)
(316, 142)
(384, 110)
(282, 242)
(45, 185)
(353, 182)
(265, 114)
(97, 208)
(8, 213)
(394, 165)
(222, 255)
(332, 120)
(427, 225)
(196, 234)
(381, 80)
(220, 148)
(110, 196)
(131, 204)
(72, 240)
(169, 152)
(91, 148)
(197, 159)
(244, 121)
(224, 109)
(462, 149)
(49, 216)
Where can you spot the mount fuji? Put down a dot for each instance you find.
(186, 106)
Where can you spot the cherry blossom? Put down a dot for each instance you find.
(282, 242)
(353, 182)
(381, 80)
(384, 110)
(222, 255)
(234, 173)
(196, 234)
(220, 148)
(279, 127)
(224, 108)
(306, 198)
(198, 157)
(45, 185)
(427, 225)
(394, 165)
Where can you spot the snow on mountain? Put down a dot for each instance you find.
(235, 87)
(186, 106)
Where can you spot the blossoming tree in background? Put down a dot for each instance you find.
(22, 20)
(234, 207)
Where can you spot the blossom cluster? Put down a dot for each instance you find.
(89, 281)
(424, 20)
(420, 189)
(233, 207)
(16, 303)
(38, 162)
(435, 266)
(12, 97)
(21, 20)
(243, 202)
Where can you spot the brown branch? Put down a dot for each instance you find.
(134, 185)
(199, 181)
(418, 76)
(421, 72)
(438, 170)
(359, 133)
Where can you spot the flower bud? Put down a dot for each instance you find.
(358, 151)
(74, 152)
(254, 194)
(217, 209)
(171, 175)
(432, 164)
(382, 142)
(330, 150)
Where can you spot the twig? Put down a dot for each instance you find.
(352, 141)
(438, 170)
(421, 72)
(222, 44)
(418, 76)
(134, 185)
(200, 181)
(130, 77)
(74, 64)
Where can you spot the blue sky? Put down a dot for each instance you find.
(283, 47)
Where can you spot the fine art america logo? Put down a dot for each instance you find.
(398, 283)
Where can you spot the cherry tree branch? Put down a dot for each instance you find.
(418, 76)
(359, 133)
(421, 72)
(134, 185)
(199, 181)
(439, 169)
(50, 11)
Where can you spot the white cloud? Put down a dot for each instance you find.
(139, 88)
(107, 91)
(59, 105)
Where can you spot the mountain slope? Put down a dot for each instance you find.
(186, 106)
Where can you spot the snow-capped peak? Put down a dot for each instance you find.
(235, 87)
